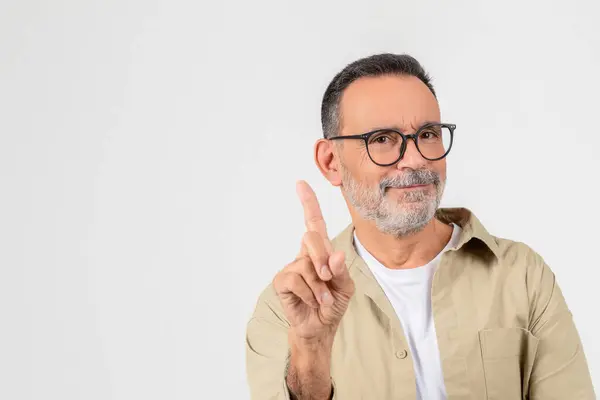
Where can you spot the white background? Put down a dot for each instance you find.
(149, 152)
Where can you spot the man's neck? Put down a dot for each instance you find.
(405, 252)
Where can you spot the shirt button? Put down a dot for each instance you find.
(401, 354)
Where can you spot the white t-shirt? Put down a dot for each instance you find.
(409, 291)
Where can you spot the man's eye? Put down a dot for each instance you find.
(384, 138)
(428, 135)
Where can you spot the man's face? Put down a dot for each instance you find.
(402, 198)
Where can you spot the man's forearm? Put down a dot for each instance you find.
(309, 370)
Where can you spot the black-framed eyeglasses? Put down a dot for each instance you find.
(387, 146)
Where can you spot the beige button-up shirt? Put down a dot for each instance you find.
(503, 328)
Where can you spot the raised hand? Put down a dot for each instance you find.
(315, 288)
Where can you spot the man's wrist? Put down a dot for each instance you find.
(315, 346)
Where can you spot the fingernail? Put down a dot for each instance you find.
(326, 298)
(325, 272)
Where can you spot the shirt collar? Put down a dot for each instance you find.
(471, 230)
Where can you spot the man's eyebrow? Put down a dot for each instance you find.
(398, 128)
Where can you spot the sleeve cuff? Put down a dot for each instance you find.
(286, 391)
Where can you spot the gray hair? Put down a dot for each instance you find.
(376, 65)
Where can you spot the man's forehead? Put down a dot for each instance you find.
(403, 102)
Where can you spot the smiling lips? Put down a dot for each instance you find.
(413, 187)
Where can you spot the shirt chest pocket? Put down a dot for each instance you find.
(508, 355)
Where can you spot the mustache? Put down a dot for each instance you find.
(415, 177)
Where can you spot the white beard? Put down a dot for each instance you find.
(409, 214)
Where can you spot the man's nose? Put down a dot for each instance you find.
(411, 158)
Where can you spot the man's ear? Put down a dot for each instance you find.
(328, 161)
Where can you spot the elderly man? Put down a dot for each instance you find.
(410, 301)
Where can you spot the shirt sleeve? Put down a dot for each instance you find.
(267, 350)
(560, 369)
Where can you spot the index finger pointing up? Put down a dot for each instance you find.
(313, 218)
